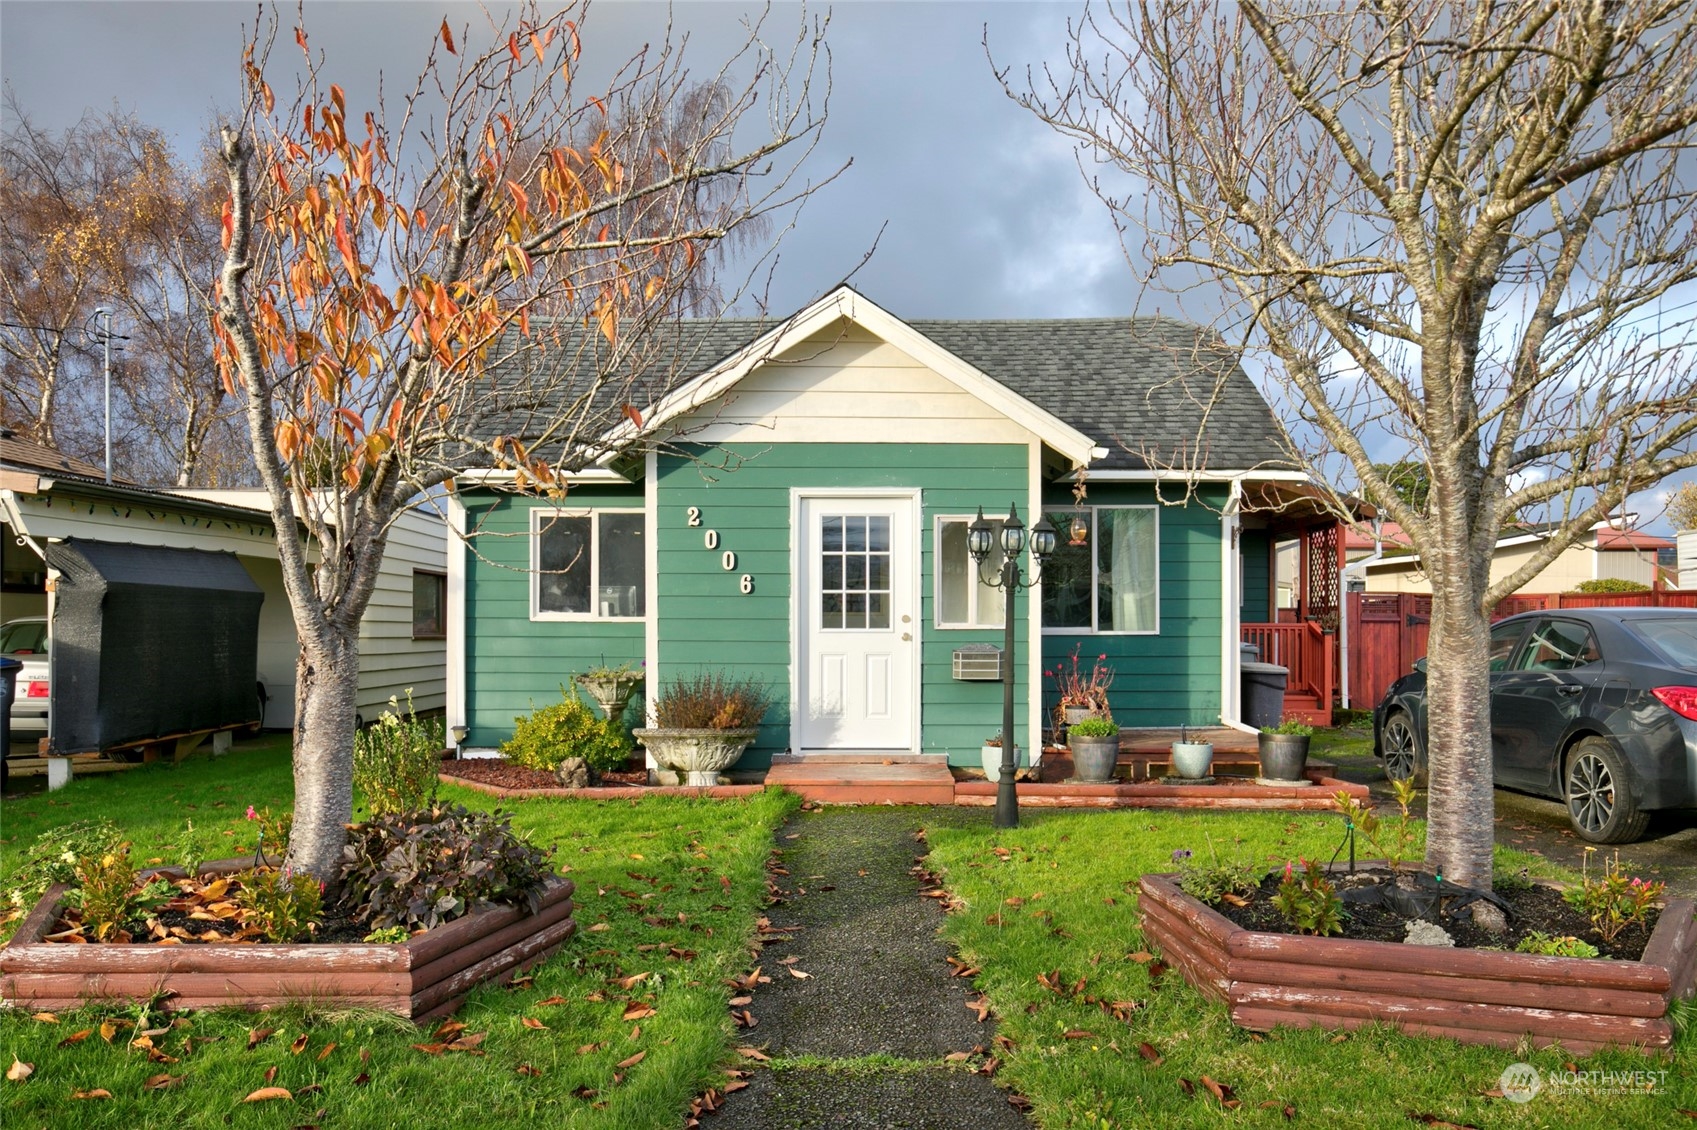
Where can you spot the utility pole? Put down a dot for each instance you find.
(106, 378)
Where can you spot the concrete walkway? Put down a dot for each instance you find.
(862, 1040)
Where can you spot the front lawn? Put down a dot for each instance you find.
(1054, 901)
(668, 893)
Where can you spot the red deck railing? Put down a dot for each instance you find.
(1308, 654)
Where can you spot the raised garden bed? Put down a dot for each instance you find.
(1474, 996)
(427, 975)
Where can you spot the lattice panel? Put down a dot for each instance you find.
(1324, 554)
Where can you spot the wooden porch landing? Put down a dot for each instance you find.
(838, 781)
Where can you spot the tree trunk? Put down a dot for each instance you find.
(326, 680)
(1461, 805)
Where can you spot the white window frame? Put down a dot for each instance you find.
(937, 578)
(1096, 570)
(537, 516)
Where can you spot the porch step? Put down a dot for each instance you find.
(857, 757)
(866, 781)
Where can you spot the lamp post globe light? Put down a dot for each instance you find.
(980, 538)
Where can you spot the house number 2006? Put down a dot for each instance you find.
(710, 539)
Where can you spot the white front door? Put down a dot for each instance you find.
(857, 623)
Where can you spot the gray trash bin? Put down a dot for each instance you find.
(1264, 693)
(1248, 653)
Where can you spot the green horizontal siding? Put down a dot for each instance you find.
(1257, 548)
(706, 622)
(514, 664)
(1173, 677)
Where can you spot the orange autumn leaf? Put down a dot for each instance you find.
(448, 37)
(532, 1022)
(96, 1093)
(632, 1061)
(266, 1094)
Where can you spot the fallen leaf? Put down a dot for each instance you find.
(325, 1054)
(160, 1082)
(299, 1045)
(76, 1037)
(632, 1061)
(258, 1036)
(532, 1022)
(1187, 1086)
(527, 1069)
(44, 1017)
(988, 1068)
(97, 1093)
(799, 975)
(266, 1094)
(467, 1042)
(361, 1079)
(627, 983)
(1440, 1123)
(271, 1073)
(587, 1049)
(738, 1002)
(1148, 1052)
(1142, 957)
(1080, 1034)
(551, 1001)
(431, 1049)
(599, 927)
(1221, 1092)
(1019, 1103)
(636, 1010)
(110, 1028)
(957, 1057)
(753, 1053)
(448, 1029)
(19, 1071)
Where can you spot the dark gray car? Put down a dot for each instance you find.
(1596, 707)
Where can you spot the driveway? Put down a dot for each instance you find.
(1667, 852)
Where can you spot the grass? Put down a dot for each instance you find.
(1074, 876)
(652, 875)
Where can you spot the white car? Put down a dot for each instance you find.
(26, 640)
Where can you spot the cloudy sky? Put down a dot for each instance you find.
(982, 209)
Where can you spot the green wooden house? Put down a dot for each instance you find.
(797, 511)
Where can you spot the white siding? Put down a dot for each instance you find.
(847, 385)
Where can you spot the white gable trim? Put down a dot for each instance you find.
(844, 302)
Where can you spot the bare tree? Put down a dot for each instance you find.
(385, 283)
(1448, 228)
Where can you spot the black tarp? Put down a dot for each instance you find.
(149, 642)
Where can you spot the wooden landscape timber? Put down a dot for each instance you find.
(427, 975)
(1473, 996)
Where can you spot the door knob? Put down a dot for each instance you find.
(906, 637)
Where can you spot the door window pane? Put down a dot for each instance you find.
(623, 565)
(563, 564)
(854, 580)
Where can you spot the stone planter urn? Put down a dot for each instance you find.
(697, 756)
(992, 759)
(1283, 757)
(1076, 714)
(1192, 760)
(612, 693)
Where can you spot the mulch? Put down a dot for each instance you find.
(504, 774)
(1536, 908)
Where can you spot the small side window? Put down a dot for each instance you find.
(1559, 645)
(429, 605)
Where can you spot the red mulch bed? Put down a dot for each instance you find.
(504, 774)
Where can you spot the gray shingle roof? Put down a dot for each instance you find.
(1153, 391)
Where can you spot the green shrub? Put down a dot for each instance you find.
(283, 905)
(1610, 584)
(1569, 946)
(1290, 727)
(1216, 878)
(53, 858)
(421, 869)
(711, 700)
(397, 759)
(1094, 728)
(1309, 902)
(568, 728)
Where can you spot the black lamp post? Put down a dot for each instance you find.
(980, 538)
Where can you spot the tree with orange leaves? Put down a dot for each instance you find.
(377, 275)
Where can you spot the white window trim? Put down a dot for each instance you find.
(1096, 570)
(937, 579)
(537, 514)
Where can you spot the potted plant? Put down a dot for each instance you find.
(991, 753)
(702, 724)
(1284, 752)
(1191, 760)
(611, 687)
(1095, 745)
(1081, 696)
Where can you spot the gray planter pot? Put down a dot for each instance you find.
(991, 756)
(611, 695)
(697, 756)
(1093, 759)
(1283, 756)
(1192, 760)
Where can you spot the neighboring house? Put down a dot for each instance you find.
(402, 638)
(1606, 553)
(797, 512)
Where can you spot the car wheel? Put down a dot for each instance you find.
(1399, 749)
(1600, 804)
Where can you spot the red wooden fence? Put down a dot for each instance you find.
(1388, 630)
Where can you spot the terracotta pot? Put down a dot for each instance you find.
(1094, 758)
(1283, 756)
(698, 756)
